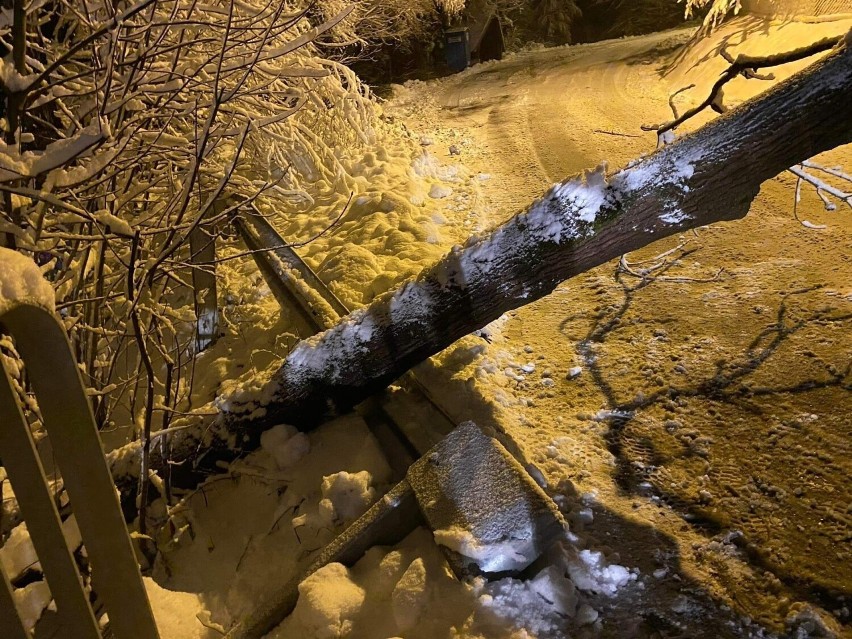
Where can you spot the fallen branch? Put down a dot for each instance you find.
(746, 66)
(708, 176)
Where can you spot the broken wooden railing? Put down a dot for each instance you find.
(313, 307)
(67, 417)
(464, 479)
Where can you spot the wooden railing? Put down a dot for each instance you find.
(41, 341)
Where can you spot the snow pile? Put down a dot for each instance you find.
(590, 572)
(541, 606)
(31, 601)
(286, 444)
(412, 594)
(21, 281)
(179, 614)
(346, 496)
(328, 602)
(263, 521)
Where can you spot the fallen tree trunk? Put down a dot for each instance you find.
(709, 176)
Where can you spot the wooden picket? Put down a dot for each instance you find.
(41, 341)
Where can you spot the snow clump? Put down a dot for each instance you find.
(346, 496)
(285, 444)
(410, 596)
(439, 191)
(539, 606)
(21, 281)
(590, 572)
(328, 602)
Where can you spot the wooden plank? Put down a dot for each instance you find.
(41, 341)
(26, 473)
(386, 523)
(268, 236)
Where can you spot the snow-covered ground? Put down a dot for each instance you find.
(716, 504)
(728, 476)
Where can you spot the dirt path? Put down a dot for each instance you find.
(708, 430)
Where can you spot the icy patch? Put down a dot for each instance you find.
(590, 572)
(346, 496)
(21, 281)
(538, 607)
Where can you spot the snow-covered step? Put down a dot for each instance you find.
(486, 511)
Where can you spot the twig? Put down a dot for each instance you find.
(621, 135)
(209, 624)
(245, 552)
(744, 65)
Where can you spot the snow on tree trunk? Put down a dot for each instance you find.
(709, 176)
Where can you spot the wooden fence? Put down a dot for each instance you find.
(67, 417)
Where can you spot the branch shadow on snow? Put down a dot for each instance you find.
(653, 606)
(706, 423)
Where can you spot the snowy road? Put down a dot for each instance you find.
(543, 115)
(729, 478)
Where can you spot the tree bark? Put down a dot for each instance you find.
(708, 176)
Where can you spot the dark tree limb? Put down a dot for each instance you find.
(746, 66)
(708, 176)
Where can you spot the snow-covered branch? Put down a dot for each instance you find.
(126, 128)
(709, 176)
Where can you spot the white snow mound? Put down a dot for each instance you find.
(21, 281)
(590, 572)
(286, 444)
(346, 496)
(328, 601)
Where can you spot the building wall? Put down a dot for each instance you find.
(797, 7)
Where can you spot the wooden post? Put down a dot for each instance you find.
(202, 249)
